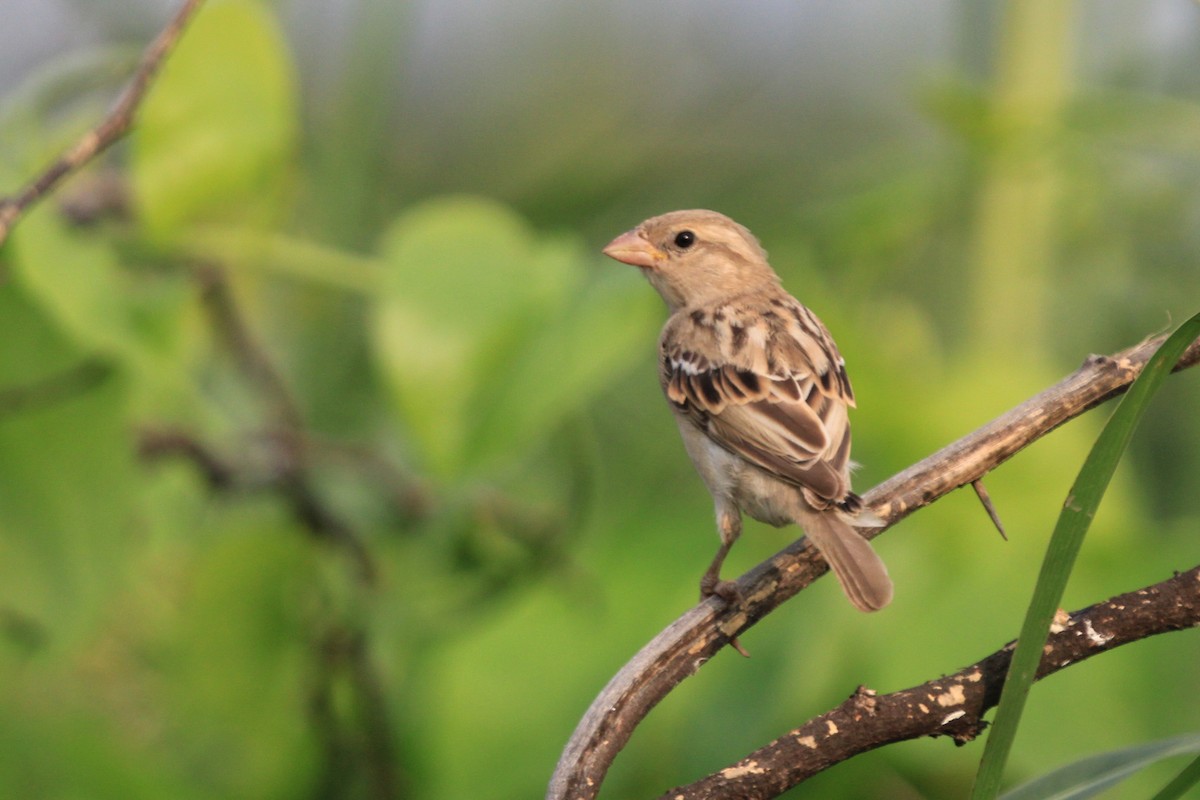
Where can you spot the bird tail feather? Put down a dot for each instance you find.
(859, 569)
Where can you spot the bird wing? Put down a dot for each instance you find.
(764, 380)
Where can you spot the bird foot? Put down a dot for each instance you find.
(730, 593)
(726, 590)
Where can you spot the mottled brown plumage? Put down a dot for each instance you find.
(759, 391)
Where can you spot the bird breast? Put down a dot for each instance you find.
(733, 481)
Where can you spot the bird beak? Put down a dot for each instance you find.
(631, 248)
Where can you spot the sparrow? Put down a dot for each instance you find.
(759, 392)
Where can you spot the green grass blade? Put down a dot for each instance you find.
(1078, 510)
(1089, 776)
(1182, 782)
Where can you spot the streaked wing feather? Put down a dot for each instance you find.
(775, 454)
(782, 422)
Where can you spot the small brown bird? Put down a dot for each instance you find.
(760, 394)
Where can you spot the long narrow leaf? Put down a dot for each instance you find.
(1092, 775)
(1189, 777)
(1073, 522)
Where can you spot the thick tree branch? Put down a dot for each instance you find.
(951, 706)
(110, 129)
(696, 636)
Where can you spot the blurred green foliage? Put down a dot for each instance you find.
(332, 462)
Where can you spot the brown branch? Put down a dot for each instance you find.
(951, 706)
(218, 473)
(282, 474)
(110, 129)
(687, 643)
(289, 457)
(409, 495)
(252, 358)
(361, 758)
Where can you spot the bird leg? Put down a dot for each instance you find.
(711, 583)
(729, 526)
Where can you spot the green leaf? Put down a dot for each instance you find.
(285, 256)
(1078, 511)
(473, 263)
(1092, 775)
(240, 662)
(76, 280)
(220, 124)
(67, 480)
(566, 362)
(1189, 777)
(428, 373)
(487, 334)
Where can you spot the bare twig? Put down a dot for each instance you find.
(218, 473)
(110, 129)
(251, 357)
(687, 643)
(410, 495)
(951, 706)
(290, 456)
(355, 764)
(54, 388)
(982, 493)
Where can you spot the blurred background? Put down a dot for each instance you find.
(332, 458)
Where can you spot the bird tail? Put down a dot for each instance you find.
(858, 568)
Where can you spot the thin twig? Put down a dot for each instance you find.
(290, 457)
(218, 472)
(252, 358)
(55, 388)
(411, 496)
(951, 706)
(110, 129)
(352, 760)
(691, 640)
(982, 493)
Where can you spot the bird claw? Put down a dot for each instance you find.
(726, 590)
(731, 594)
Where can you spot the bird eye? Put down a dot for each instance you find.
(685, 239)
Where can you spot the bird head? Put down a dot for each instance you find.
(694, 257)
